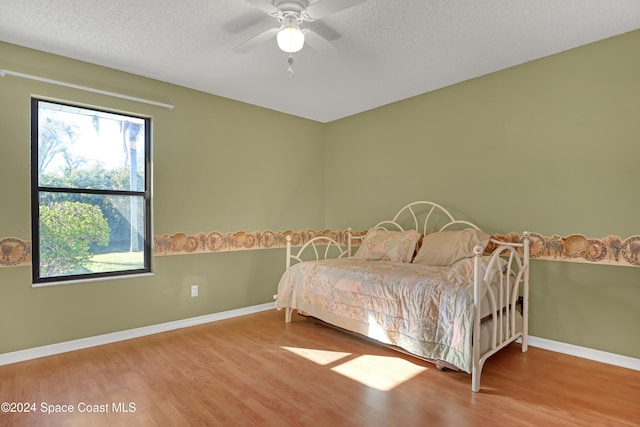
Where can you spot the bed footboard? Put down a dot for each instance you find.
(321, 247)
(511, 272)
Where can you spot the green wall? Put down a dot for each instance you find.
(566, 127)
(551, 146)
(217, 165)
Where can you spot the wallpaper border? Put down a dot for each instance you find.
(609, 250)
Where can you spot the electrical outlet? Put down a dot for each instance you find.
(194, 290)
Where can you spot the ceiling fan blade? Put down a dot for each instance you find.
(318, 43)
(255, 41)
(325, 31)
(323, 8)
(264, 5)
(246, 21)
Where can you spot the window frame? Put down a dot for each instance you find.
(36, 190)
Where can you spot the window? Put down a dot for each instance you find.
(90, 193)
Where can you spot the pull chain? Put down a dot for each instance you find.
(290, 69)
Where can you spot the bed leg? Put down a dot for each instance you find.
(475, 380)
(287, 314)
(476, 372)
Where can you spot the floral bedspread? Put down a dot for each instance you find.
(425, 310)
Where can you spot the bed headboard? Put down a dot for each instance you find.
(425, 217)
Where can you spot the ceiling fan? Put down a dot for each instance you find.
(290, 14)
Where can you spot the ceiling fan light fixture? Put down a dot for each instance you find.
(290, 38)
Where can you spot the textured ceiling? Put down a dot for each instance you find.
(386, 50)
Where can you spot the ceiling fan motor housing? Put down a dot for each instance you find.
(296, 6)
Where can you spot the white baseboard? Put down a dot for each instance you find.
(63, 347)
(586, 353)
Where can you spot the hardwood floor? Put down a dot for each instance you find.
(257, 370)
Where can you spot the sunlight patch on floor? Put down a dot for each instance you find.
(379, 372)
(321, 357)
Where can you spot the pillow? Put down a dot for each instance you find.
(388, 245)
(447, 247)
(462, 271)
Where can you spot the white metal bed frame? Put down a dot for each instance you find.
(513, 279)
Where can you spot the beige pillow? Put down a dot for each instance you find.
(447, 247)
(388, 245)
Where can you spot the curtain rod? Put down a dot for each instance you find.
(85, 88)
